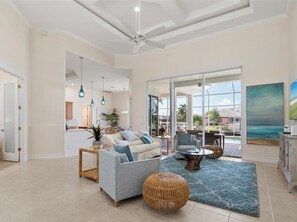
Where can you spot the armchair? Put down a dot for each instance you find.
(123, 180)
(185, 142)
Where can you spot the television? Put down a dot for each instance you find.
(293, 101)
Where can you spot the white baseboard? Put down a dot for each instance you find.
(260, 159)
(46, 156)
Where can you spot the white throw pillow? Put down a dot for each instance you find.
(123, 142)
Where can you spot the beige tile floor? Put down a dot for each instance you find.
(50, 190)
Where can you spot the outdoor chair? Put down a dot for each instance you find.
(185, 142)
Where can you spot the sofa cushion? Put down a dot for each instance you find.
(144, 147)
(116, 136)
(136, 142)
(123, 142)
(108, 140)
(184, 139)
(128, 135)
(124, 149)
(124, 157)
(146, 139)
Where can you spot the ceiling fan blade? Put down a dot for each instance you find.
(135, 48)
(154, 44)
(155, 32)
(128, 27)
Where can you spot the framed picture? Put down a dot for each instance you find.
(265, 113)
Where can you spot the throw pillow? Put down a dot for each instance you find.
(126, 150)
(146, 139)
(123, 156)
(128, 135)
(123, 142)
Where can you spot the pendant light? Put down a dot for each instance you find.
(102, 100)
(81, 92)
(92, 102)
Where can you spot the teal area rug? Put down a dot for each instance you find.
(224, 184)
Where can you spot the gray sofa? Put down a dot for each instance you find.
(123, 180)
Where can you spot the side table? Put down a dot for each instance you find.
(167, 138)
(89, 173)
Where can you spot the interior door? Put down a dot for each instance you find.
(10, 121)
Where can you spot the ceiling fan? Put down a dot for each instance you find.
(143, 39)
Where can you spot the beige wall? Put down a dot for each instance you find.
(120, 101)
(293, 40)
(261, 49)
(47, 90)
(14, 41)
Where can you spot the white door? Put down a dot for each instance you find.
(10, 121)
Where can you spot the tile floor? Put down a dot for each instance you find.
(50, 190)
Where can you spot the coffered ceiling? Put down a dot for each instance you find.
(110, 24)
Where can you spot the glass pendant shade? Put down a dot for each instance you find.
(92, 103)
(102, 101)
(81, 92)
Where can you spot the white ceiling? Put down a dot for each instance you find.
(100, 21)
(115, 80)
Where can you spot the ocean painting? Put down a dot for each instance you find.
(265, 113)
(293, 101)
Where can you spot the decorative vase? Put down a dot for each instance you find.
(97, 144)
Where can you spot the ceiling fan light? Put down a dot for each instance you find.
(81, 92)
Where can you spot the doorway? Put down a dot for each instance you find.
(206, 104)
(10, 117)
(87, 116)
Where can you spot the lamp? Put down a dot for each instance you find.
(92, 102)
(81, 92)
(102, 100)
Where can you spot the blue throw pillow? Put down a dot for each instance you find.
(128, 135)
(123, 156)
(126, 150)
(146, 139)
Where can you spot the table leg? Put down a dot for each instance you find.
(80, 164)
(167, 146)
(193, 163)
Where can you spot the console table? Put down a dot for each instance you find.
(288, 159)
(89, 173)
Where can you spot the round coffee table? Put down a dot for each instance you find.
(194, 157)
(166, 192)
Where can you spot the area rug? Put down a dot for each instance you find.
(224, 184)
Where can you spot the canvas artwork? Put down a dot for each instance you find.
(265, 113)
(293, 101)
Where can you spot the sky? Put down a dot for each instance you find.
(220, 101)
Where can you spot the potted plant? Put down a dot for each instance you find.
(113, 118)
(97, 133)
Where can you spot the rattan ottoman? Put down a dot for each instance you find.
(166, 192)
(217, 151)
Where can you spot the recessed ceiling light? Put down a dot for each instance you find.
(72, 84)
(136, 8)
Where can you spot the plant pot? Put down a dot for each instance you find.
(97, 144)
